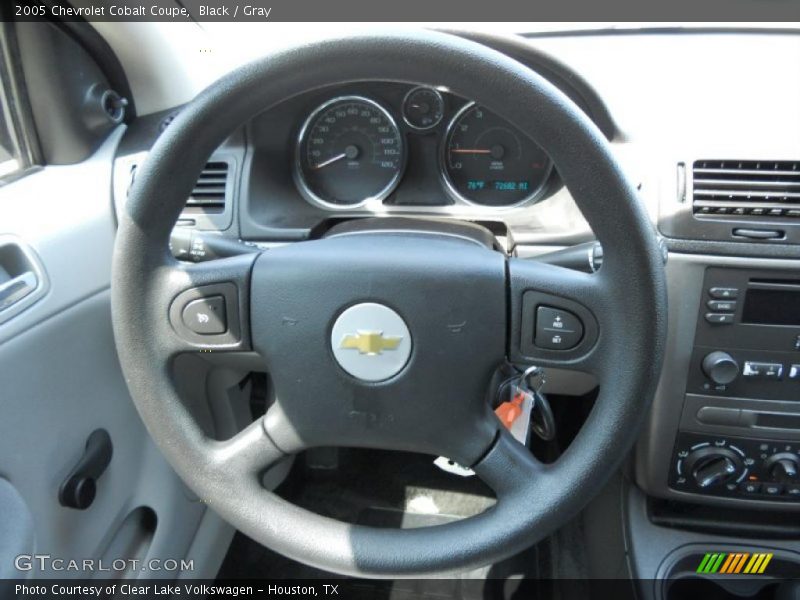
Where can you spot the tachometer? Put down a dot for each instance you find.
(350, 151)
(487, 161)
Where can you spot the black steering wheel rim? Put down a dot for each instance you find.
(628, 298)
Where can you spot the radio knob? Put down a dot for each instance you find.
(720, 367)
(710, 467)
(784, 467)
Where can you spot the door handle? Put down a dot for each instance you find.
(22, 277)
(17, 288)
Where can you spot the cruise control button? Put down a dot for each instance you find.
(557, 329)
(724, 293)
(722, 305)
(206, 316)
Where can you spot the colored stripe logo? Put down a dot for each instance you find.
(734, 563)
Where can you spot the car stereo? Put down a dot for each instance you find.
(747, 342)
(741, 408)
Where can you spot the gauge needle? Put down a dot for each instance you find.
(496, 152)
(351, 152)
(330, 161)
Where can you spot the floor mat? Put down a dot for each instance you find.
(392, 489)
(394, 482)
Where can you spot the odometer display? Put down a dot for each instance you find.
(350, 151)
(487, 161)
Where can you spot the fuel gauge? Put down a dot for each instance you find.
(423, 108)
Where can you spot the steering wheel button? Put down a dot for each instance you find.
(206, 316)
(557, 329)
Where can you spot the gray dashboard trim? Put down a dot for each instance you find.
(733, 249)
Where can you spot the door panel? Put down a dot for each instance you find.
(60, 380)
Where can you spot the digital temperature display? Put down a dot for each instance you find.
(499, 186)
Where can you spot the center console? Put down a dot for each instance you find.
(744, 378)
(728, 406)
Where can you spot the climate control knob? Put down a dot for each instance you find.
(784, 467)
(712, 466)
(720, 367)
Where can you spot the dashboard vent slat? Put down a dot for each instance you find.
(210, 192)
(746, 188)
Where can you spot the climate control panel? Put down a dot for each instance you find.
(736, 467)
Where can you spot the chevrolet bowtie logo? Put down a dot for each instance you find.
(370, 342)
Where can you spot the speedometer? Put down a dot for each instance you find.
(350, 151)
(487, 161)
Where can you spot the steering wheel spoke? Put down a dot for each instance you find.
(557, 315)
(250, 451)
(207, 304)
(508, 466)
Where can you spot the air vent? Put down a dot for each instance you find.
(749, 188)
(209, 194)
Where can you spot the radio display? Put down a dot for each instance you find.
(772, 307)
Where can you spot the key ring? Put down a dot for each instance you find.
(531, 372)
(542, 419)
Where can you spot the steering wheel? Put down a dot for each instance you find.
(390, 340)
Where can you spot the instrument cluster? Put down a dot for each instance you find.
(353, 151)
